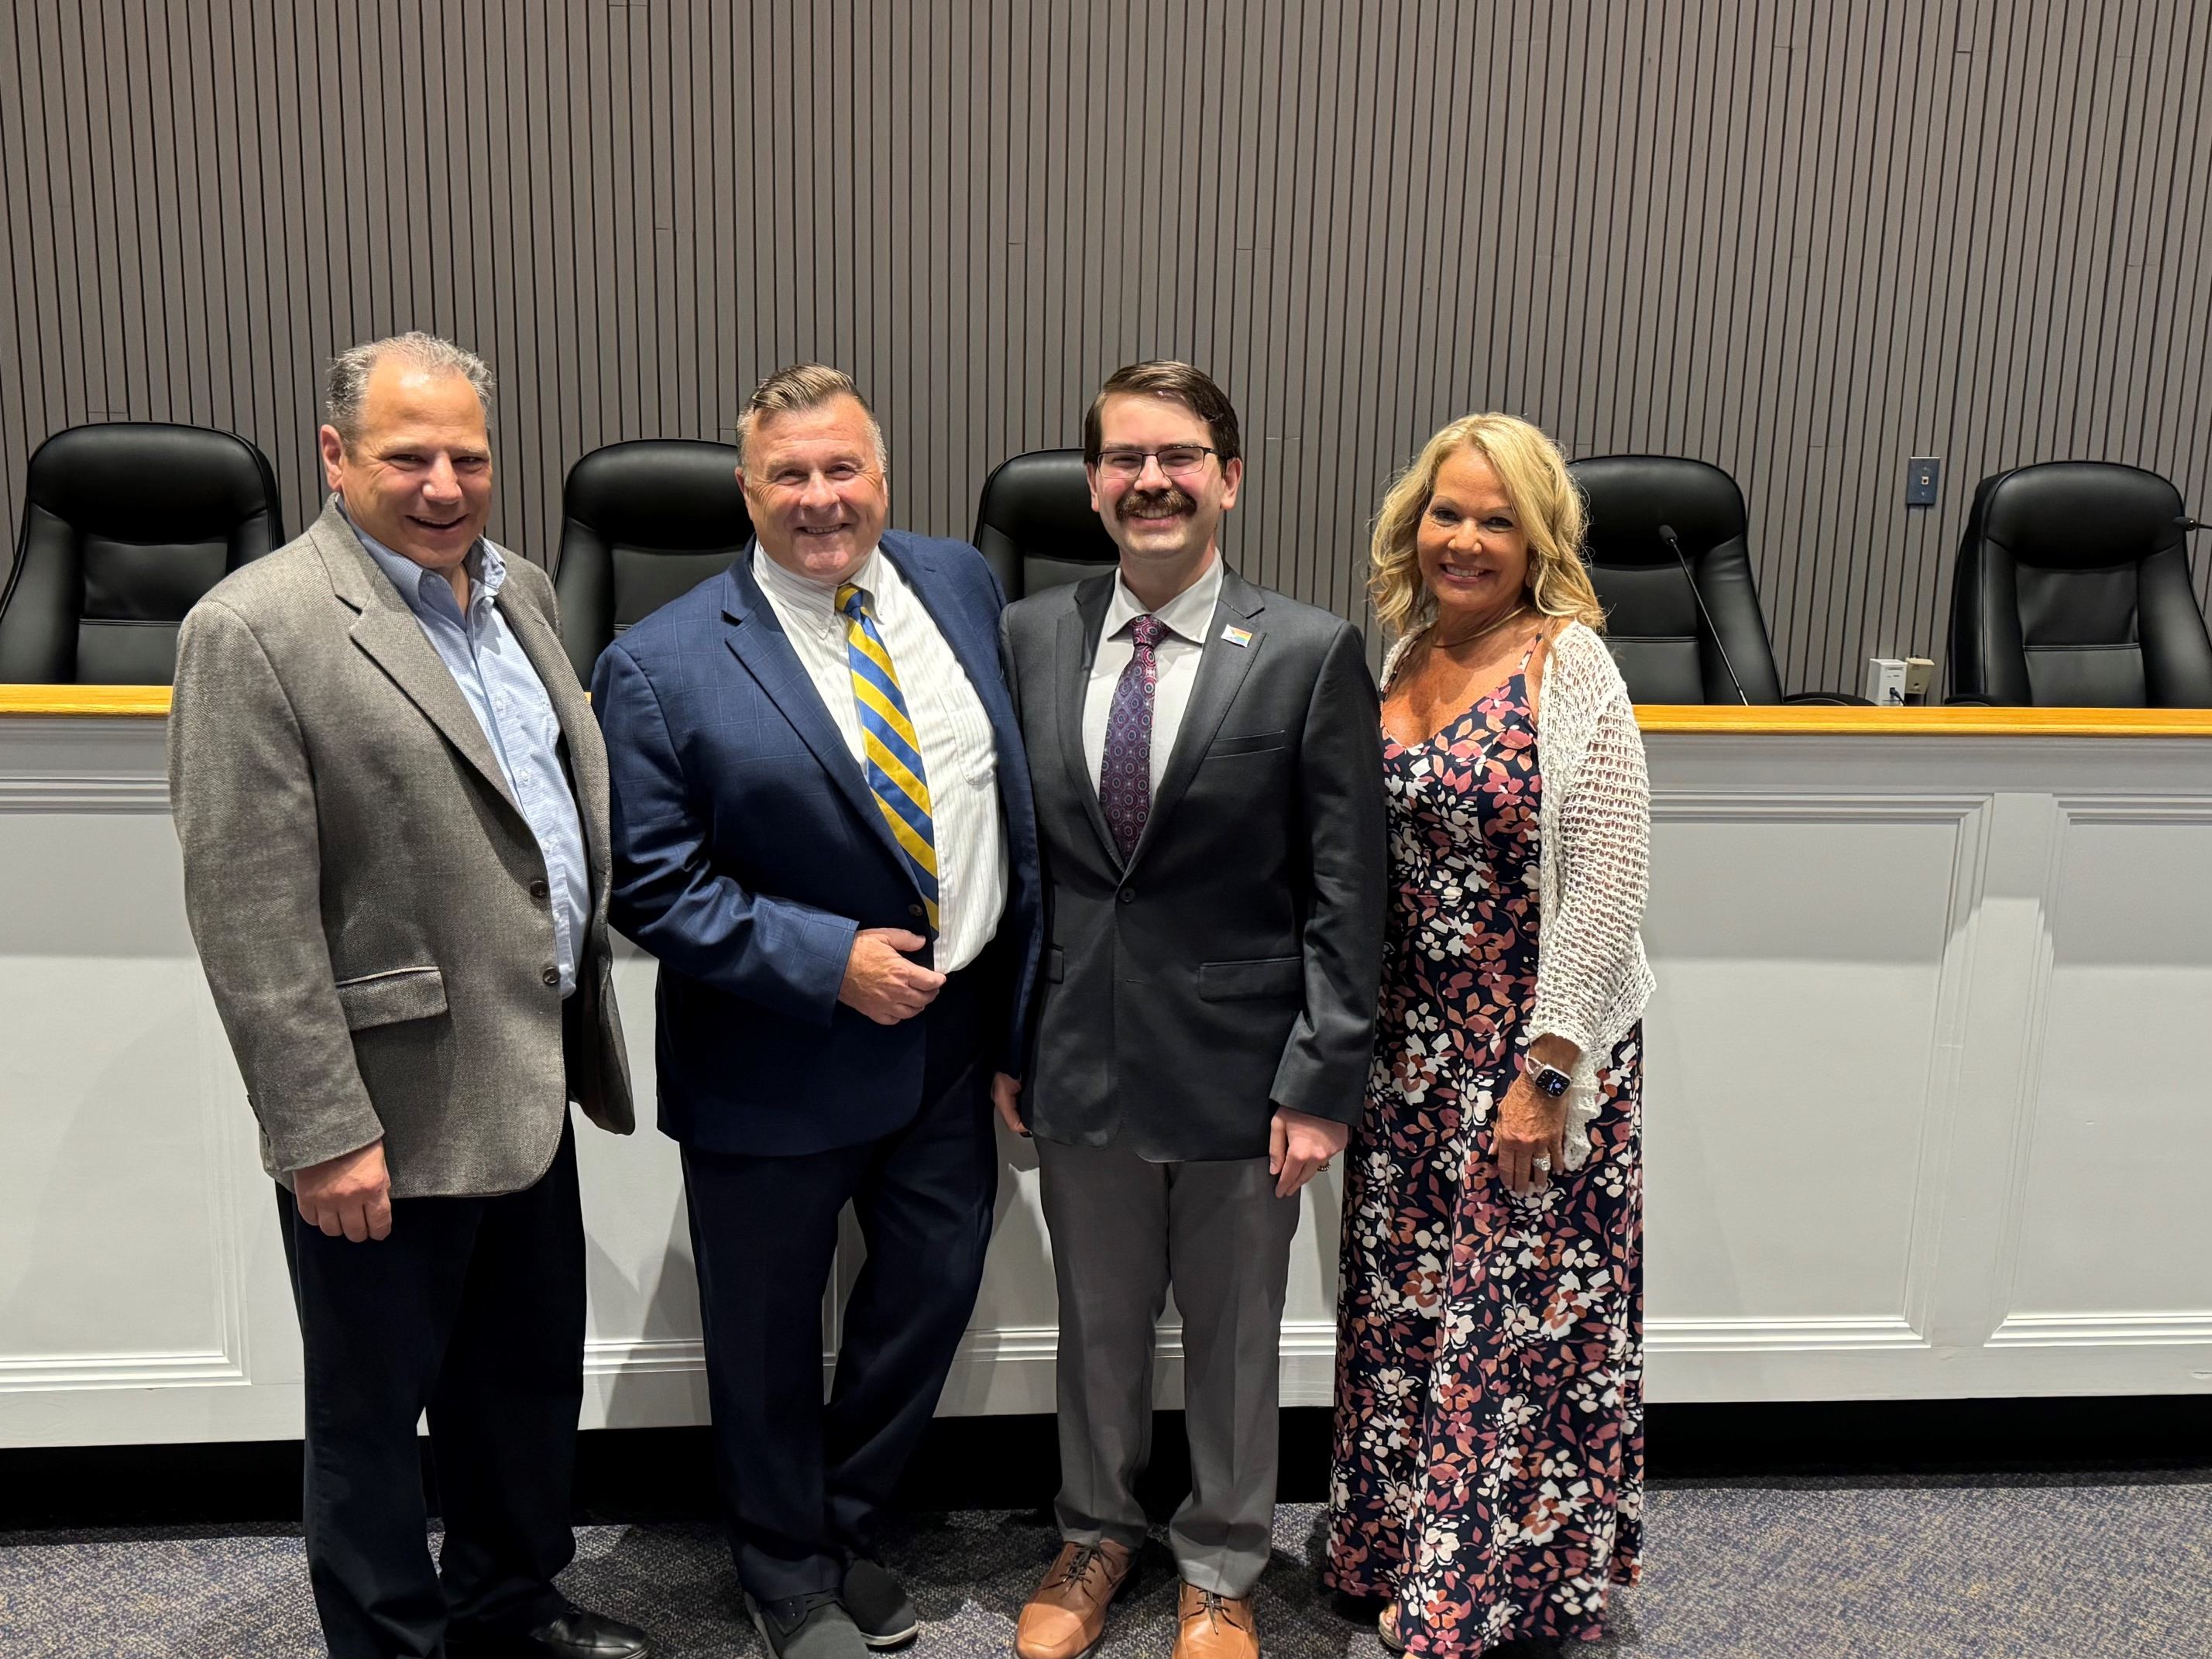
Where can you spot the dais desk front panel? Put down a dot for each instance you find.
(1925, 1112)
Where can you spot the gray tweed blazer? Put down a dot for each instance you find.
(371, 907)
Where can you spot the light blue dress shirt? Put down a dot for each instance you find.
(510, 703)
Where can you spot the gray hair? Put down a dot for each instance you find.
(801, 388)
(346, 386)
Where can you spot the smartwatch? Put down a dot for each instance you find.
(1549, 1081)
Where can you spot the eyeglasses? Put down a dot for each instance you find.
(1176, 460)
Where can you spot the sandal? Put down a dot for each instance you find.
(1386, 1629)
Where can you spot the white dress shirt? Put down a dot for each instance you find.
(1186, 617)
(957, 751)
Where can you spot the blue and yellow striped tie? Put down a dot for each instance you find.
(887, 739)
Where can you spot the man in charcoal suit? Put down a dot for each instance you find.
(1209, 792)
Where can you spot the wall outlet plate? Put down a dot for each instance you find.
(1923, 479)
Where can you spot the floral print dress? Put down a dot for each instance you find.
(1489, 1443)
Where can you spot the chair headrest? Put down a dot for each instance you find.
(150, 482)
(2080, 515)
(671, 493)
(1630, 497)
(1041, 502)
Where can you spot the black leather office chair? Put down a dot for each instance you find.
(643, 523)
(124, 526)
(2073, 592)
(1665, 650)
(1034, 524)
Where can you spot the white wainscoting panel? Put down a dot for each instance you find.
(1791, 1049)
(2115, 1237)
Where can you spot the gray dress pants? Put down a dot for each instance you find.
(1123, 1232)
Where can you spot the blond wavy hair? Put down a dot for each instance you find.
(1544, 500)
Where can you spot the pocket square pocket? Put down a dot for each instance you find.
(1258, 743)
(1269, 976)
(386, 998)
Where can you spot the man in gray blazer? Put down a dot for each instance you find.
(1209, 794)
(393, 805)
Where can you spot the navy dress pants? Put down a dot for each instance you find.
(803, 1485)
(472, 1310)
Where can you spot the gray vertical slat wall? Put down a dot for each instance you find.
(1801, 242)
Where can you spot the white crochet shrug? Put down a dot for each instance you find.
(1594, 845)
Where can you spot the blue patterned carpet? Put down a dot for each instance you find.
(2043, 1568)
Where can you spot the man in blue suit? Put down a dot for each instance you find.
(821, 827)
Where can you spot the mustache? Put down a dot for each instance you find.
(1170, 498)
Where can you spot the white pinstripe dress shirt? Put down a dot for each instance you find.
(957, 750)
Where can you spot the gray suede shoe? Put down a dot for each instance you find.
(879, 1605)
(814, 1626)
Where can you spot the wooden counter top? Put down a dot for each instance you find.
(1795, 720)
(148, 701)
(1821, 720)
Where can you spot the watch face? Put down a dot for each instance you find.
(1551, 1081)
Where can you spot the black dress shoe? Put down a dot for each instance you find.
(577, 1634)
(574, 1635)
(879, 1605)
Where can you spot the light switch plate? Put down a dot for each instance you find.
(1923, 478)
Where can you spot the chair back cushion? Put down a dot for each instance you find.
(1665, 651)
(125, 525)
(1036, 526)
(2073, 591)
(643, 523)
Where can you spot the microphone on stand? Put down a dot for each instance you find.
(1666, 535)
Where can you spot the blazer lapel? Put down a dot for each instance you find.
(1074, 650)
(757, 639)
(1221, 672)
(388, 632)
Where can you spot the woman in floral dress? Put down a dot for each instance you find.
(1489, 1446)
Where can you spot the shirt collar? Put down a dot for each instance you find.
(420, 585)
(812, 599)
(1186, 614)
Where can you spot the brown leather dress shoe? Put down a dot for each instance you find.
(1067, 1615)
(1211, 1626)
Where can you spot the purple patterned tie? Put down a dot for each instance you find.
(1125, 777)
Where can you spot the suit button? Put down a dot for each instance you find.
(538, 889)
(914, 909)
(552, 976)
(1128, 895)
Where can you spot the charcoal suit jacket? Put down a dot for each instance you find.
(1230, 965)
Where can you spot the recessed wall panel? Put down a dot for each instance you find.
(2113, 1221)
(1801, 949)
(117, 1178)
